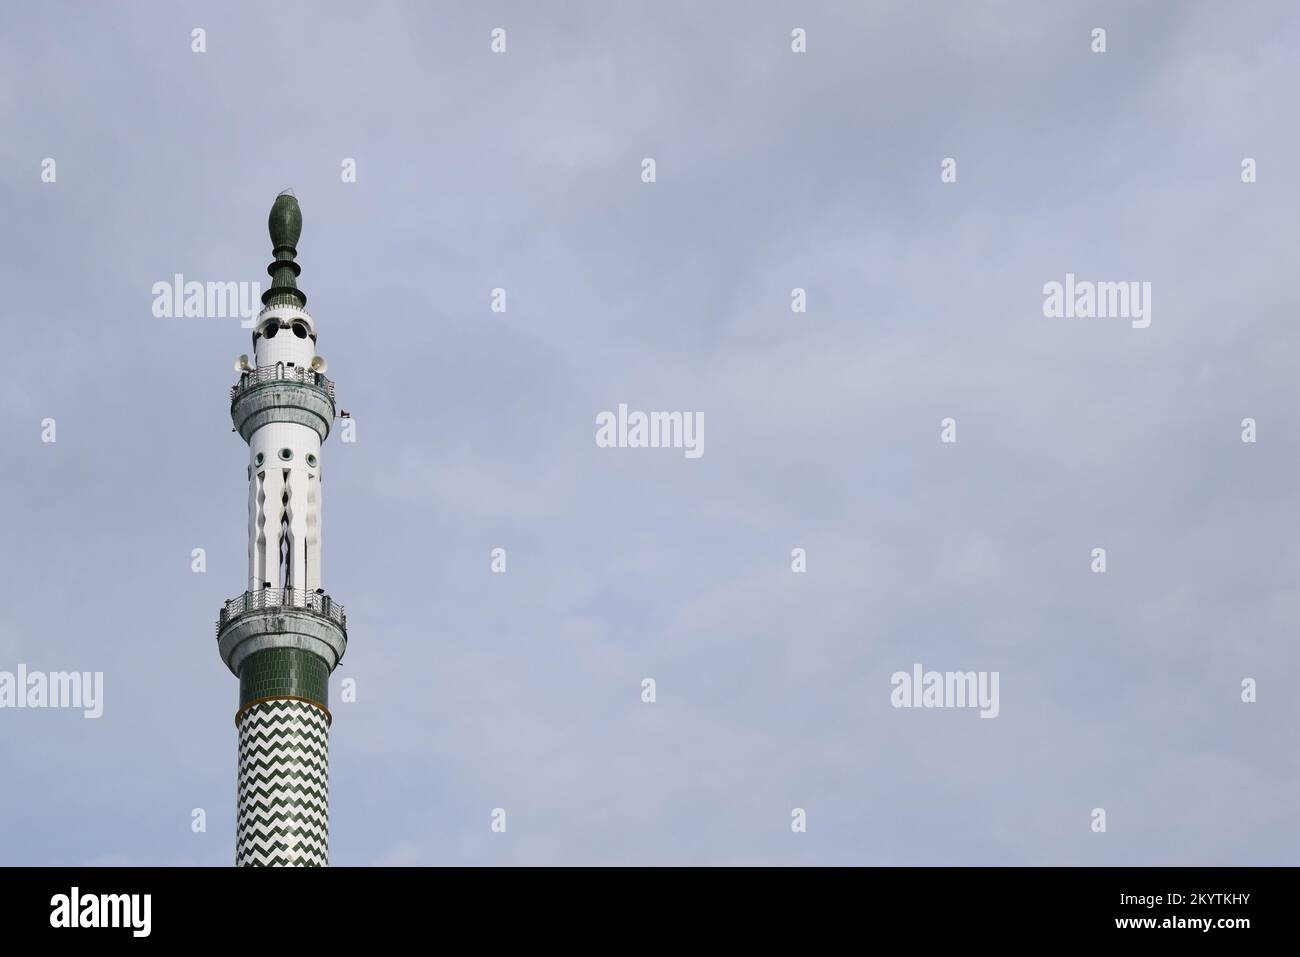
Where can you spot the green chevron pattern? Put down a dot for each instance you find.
(283, 818)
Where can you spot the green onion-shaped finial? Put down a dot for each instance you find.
(285, 225)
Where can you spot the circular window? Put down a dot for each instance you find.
(271, 329)
(311, 460)
(286, 454)
(259, 458)
(300, 330)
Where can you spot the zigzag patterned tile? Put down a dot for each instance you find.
(283, 818)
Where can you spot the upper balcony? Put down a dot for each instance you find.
(275, 393)
(281, 373)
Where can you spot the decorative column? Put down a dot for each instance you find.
(283, 636)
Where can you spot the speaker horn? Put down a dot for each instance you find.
(243, 365)
(318, 364)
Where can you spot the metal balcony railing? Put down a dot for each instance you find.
(311, 601)
(281, 373)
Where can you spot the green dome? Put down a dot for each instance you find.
(285, 221)
(285, 224)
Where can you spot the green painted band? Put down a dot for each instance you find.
(284, 673)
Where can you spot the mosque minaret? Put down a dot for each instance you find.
(284, 635)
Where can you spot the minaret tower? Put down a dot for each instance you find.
(283, 636)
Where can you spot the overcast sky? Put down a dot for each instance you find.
(475, 429)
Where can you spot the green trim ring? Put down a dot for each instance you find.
(329, 715)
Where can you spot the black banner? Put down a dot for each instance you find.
(976, 905)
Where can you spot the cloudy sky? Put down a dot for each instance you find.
(475, 430)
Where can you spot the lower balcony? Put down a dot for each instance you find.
(313, 602)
